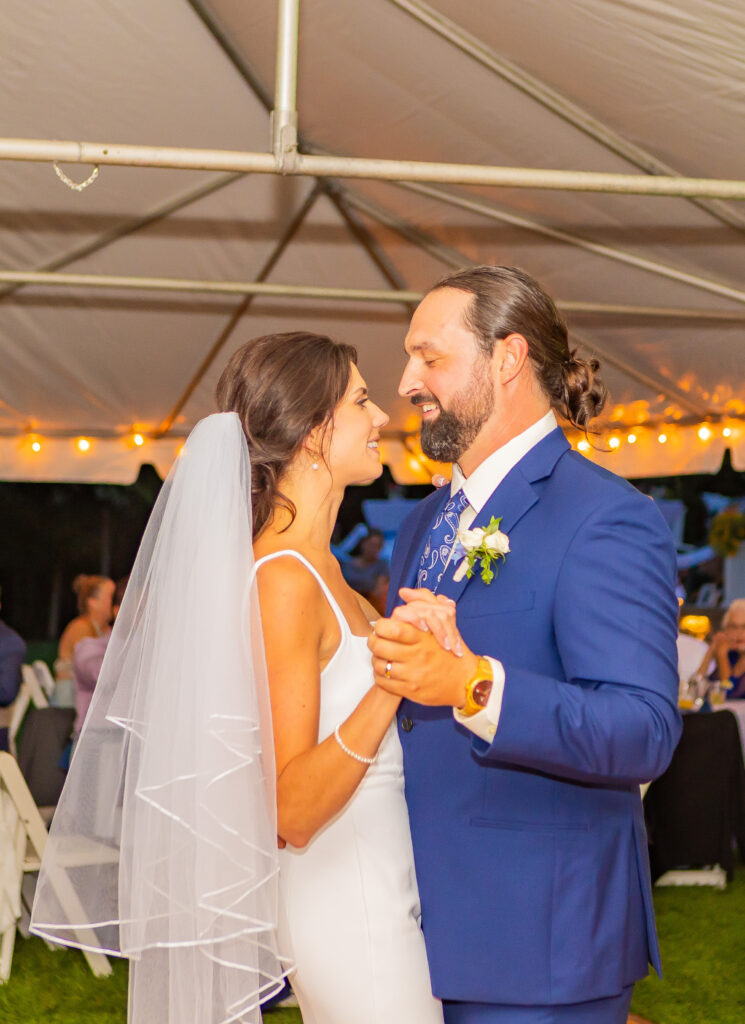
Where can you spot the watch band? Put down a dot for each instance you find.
(478, 689)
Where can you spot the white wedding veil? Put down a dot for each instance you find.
(163, 847)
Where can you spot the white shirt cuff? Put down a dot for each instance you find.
(484, 723)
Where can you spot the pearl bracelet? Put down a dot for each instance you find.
(351, 753)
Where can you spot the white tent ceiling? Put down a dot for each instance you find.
(661, 82)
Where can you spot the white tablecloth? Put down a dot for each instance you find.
(737, 707)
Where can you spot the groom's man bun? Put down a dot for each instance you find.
(506, 301)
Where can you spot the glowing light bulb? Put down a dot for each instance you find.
(36, 446)
(584, 446)
(662, 438)
(82, 444)
(139, 440)
(631, 438)
(614, 442)
(704, 432)
(727, 432)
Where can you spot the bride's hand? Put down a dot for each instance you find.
(432, 613)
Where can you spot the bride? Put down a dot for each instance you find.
(235, 707)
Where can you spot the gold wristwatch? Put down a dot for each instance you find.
(478, 689)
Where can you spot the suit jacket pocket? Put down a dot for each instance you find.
(529, 826)
(495, 602)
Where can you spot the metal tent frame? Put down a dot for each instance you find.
(289, 154)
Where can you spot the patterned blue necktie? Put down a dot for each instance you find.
(440, 542)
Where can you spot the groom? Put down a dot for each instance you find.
(523, 756)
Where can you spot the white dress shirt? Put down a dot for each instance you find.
(478, 488)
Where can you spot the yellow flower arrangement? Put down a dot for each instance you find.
(727, 532)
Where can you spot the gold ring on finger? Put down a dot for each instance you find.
(388, 667)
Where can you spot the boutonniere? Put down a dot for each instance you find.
(484, 544)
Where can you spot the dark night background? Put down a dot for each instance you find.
(51, 532)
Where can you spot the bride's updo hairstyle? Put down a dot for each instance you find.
(282, 386)
(508, 301)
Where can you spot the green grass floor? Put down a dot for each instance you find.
(702, 933)
(702, 937)
(56, 987)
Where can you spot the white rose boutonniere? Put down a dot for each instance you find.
(484, 544)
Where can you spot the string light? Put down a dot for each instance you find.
(705, 431)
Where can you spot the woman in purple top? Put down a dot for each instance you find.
(87, 658)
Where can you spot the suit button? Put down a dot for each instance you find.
(406, 724)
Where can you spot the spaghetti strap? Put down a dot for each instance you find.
(343, 624)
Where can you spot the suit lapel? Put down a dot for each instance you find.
(512, 498)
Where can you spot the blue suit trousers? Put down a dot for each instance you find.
(614, 1010)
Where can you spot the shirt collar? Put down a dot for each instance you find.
(480, 485)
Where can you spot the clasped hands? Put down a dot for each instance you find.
(418, 652)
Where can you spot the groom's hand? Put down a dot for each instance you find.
(412, 664)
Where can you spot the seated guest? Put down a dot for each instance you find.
(87, 658)
(690, 653)
(692, 646)
(12, 655)
(368, 573)
(727, 651)
(94, 595)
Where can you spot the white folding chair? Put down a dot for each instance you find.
(29, 842)
(30, 694)
(45, 677)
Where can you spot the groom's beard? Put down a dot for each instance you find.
(455, 429)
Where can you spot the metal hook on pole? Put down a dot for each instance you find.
(284, 115)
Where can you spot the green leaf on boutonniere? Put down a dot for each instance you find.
(487, 545)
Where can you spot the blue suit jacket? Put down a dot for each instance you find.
(531, 852)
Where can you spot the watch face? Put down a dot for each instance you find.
(481, 692)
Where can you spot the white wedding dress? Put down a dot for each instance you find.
(350, 905)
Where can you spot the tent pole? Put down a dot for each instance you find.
(733, 316)
(556, 102)
(484, 209)
(123, 155)
(373, 250)
(259, 287)
(457, 260)
(269, 264)
(129, 227)
(658, 385)
(397, 294)
(284, 115)
(445, 254)
(225, 43)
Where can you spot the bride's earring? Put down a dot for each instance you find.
(314, 466)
